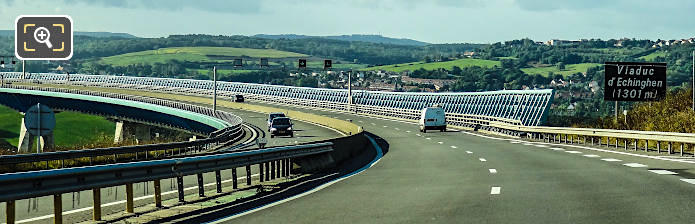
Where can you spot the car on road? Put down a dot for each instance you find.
(432, 118)
(239, 98)
(281, 126)
(272, 116)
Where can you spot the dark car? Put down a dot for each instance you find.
(272, 116)
(281, 126)
(239, 98)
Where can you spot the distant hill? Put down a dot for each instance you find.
(353, 37)
(90, 34)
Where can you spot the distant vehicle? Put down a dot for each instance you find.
(281, 126)
(432, 118)
(273, 115)
(239, 98)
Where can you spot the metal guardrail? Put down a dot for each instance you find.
(33, 184)
(626, 139)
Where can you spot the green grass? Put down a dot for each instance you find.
(462, 63)
(569, 69)
(72, 129)
(194, 54)
(652, 56)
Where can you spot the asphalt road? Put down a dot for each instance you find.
(458, 177)
(40, 210)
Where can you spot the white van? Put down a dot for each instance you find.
(432, 118)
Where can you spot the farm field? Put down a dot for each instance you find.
(569, 69)
(462, 63)
(195, 54)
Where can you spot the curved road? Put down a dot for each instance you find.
(458, 177)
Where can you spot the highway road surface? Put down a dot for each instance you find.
(40, 210)
(460, 177)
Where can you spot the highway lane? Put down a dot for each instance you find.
(43, 207)
(447, 178)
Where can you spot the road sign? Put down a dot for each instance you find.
(39, 117)
(634, 81)
(327, 64)
(238, 62)
(302, 63)
(264, 62)
(47, 37)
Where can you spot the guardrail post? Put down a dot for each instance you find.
(96, 204)
(248, 175)
(592, 140)
(218, 181)
(57, 208)
(179, 188)
(616, 143)
(277, 171)
(670, 144)
(635, 141)
(625, 144)
(129, 198)
(272, 170)
(201, 187)
(658, 146)
(260, 172)
(681, 149)
(646, 145)
(289, 167)
(267, 171)
(234, 179)
(571, 139)
(9, 212)
(157, 193)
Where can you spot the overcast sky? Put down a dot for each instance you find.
(434, 21)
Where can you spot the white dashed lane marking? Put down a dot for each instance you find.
(398, 129)
(495, 190)
(407, 131)
(418, 135)
(663, 172)
(361, 121)
(453, 147)
(469, 152)
(635, 165)
(592, 156)
(428, 138)
(573, 152)
(690, 181)
(493, 170)
(541, 146)
(440, 143)
(386, 126)
(482, 159)
(611, 160)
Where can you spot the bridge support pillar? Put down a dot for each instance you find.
(142, 132)
(26, 140)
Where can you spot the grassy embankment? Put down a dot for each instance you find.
(73, 130)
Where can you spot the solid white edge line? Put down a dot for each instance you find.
(123, 201)
(482, 159)
(253, 137)
(315, 189)
(493, 170)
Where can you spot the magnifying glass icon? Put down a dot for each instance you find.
(42, 36)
